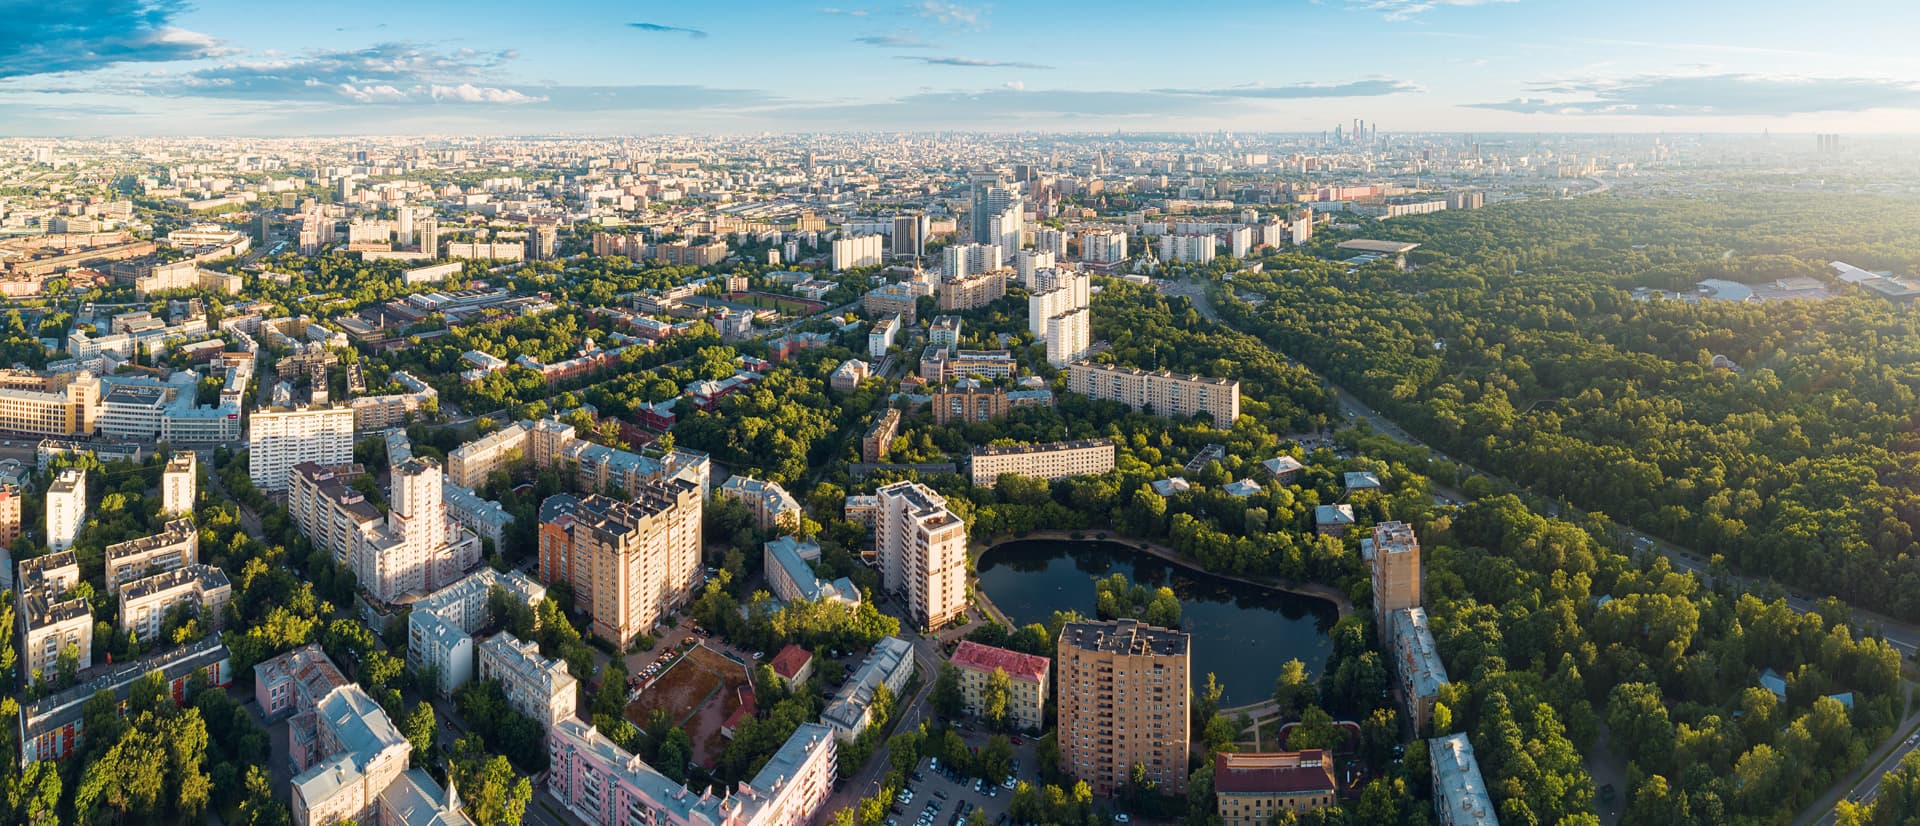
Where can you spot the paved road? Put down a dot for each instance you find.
(1866, 781)
(865, 783)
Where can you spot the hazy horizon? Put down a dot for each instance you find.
(587, 67)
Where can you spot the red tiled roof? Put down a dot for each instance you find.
(1273, 773)
(790, 660)
(1019, 666)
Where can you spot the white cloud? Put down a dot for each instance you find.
(1408, 9)
(952, 14)
(469, 93)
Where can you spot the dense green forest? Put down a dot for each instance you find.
(1516, 345)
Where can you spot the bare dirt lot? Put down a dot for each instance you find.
(698, 692)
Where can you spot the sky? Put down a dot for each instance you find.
(602, 67)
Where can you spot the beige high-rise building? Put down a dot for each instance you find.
(1123, 698)
(1166, 394)
(923, 553)
(629, 562)
(1393, 556)
(66, 508)
(177, 484)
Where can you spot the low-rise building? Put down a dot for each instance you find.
(440, 627)
(890, 664)
(604, 785)
(1284, 469)
(145, 602)
(174, 547)
(486, 518)
(540, 688)
(52, 619)
(773, 508)
(1332, 520)
(791, 578)
(1251, 789)
(848, 376)
(1460, 797)
(1050, 461)
(51, 728)
(1026, 681)
(1417, 664)
(1163, 393)
(879, 437)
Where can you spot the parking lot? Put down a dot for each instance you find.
(939, 799)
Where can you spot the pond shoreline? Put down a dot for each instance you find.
(1165, 554)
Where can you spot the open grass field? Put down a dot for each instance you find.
(698, 693)
(783, 303)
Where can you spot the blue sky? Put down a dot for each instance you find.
(579, 66)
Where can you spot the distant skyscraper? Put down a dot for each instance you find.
(544, 237)
(910, 235)
(403, 227)
(430, 236)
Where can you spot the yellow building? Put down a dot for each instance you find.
(1249, 789)
(1026, 682)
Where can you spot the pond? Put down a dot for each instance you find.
(1241, 633)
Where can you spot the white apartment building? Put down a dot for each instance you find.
(1049, 461)
(1239, 241)
(440, 627)
(279, 439)
(1193, 249)
(1069, 292)
(535, 686)
(881, 337)
(852, 251)
(66, 508)
(1050, 241)
(177, 484)
(1028, 262)
(923, 552)
(962, 260)
(1104, 248)
(1069, 337)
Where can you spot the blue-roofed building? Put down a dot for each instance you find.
(485, 517)
(1772, 681)
(1171, 486)
(1332, 520)
(1417, 662)
(1284, 469)
(1362, 480)
(791, 578)
(1459, 794)
(1242, 488)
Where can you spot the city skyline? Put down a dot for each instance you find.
(162, 67)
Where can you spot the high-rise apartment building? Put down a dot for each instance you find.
(1028, 263)
(1051, 242)
(1123, 701)
(1393, 561)
(66, 508)
(430, 236)
(1164, 393)
(1103, 249)
(543, 238)
(972, 291)
(963, 260)
(441, 625)
(1194, 249)
(923, 553)
(852, 251)
(1239, 241)
(630, 563)
(280, 438)
(1069, 337)
(177, 484)
(1064, 293)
